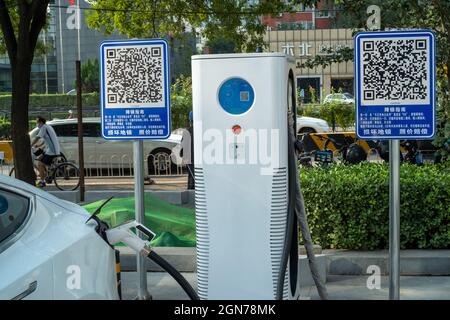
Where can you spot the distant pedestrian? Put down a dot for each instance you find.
(187, 145)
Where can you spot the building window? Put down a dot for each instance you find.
(326, 9)
(344, 85)
(299, 25)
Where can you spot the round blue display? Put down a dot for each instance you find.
(236, 96)
(3, 205)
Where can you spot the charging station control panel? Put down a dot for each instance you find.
(236, 96)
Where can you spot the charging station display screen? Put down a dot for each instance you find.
(236, 96)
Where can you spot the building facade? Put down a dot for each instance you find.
(44, 75)
(305, 35)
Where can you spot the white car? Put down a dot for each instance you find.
(47, 251)
(345, 98)
(311, 125)
(113, 154)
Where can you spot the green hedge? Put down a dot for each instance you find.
(348, 206)
(53, 100)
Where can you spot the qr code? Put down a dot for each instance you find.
(395, 70)
(134, 75)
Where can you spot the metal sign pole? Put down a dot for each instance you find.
(145, 119)
(381, 114)
(80, 131)
(394, 219)
(141, 267)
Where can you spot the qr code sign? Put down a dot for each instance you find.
(134, 76)
(395, 71)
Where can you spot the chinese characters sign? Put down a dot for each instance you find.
(395, 85)
(135, 89)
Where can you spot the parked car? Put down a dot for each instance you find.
(47, 251)
(112, 154)
(311, 125)
(345, 98)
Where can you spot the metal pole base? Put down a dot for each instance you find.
(394, 220)
(138, 163)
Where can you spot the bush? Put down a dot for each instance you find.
(309, 110)
(342, 115)
(181, 102)
(348, 206)
(5, 128)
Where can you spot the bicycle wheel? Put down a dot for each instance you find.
(66, 176)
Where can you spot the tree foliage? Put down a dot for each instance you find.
(90, 78)
(238, 21)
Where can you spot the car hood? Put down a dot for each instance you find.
(8, 182)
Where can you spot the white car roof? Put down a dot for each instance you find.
(74, 120)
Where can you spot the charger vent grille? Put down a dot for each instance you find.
(202, 231)
(278, 216)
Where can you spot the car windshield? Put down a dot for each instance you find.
(348, 95)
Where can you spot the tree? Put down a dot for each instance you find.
(238, 21)
(21, 21)
(90, 78)
(220, 45)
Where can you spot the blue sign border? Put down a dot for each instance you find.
(387, 34)
(118, 43)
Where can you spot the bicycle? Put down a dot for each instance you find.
(417, 152)
(65, 175)
(346, 151)
(314, 157)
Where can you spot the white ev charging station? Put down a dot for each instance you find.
(241, 105)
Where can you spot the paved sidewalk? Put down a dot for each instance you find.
(411, 288)
(163, 287)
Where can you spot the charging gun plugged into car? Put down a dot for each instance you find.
(123, 233)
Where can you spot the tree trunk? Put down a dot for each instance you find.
(19, 118)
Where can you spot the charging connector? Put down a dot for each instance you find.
(124, 233)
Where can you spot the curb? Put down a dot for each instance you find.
(184, 260)
(412, 262)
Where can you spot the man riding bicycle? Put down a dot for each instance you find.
(47, 133)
